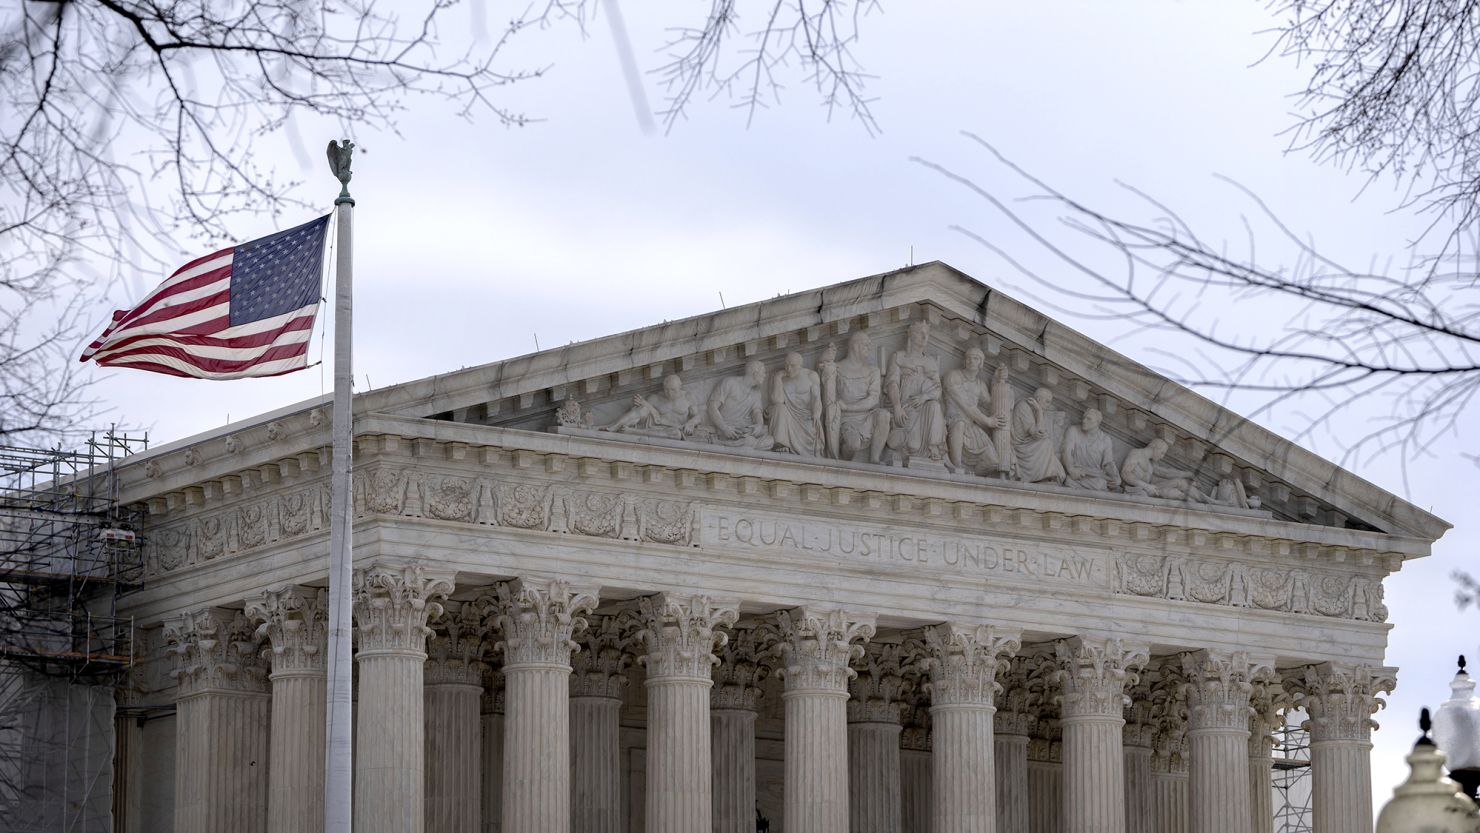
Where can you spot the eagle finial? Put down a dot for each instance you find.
(339, 159)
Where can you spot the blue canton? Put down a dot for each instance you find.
(278, 273)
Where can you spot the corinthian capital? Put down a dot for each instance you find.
(678, 632)
(816, 646)
(215, 649)
(1341, 699)
(1093, 674)
(393, 604)
(537, 618)
(1265, 701)
(1168, 684)
(1218, 688)
(295, 621)
(455, 651)
(1019, 699)
(963, 662)
(599, 668)
(879, 687)
(737, 678)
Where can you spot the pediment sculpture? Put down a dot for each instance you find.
(967, 420)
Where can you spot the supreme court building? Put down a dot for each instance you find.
(898, 555)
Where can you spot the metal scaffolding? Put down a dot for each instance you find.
(68, 551)
(1292, 787)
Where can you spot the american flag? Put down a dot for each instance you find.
(243, 311)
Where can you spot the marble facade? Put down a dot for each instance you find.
(894, 556)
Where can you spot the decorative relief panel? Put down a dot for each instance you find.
(1234, 583)
(404, 491)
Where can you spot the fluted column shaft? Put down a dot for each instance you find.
(1139, 816)
(1010, 754)
(222, 714)
(392, 606)
(1218, 740)
(733, 736)
(914, 787)
(874, 777)
(734, 702)
(492, 750)
(536, 619)
(596, 764)
(816, 648)
(536, 748)
(295, 792)
(1092, 678)
(598, 678)
(294, 620)
(1169, 799)
(453, 758)
(1340, 701)
(1045, 797)
(679, 633)
(1261, 792)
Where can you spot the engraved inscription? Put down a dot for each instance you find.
(992, 558)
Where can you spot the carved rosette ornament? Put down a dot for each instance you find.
(1341, 699)
(455, 651)
(294, 621)
(1218, 689)
(537, 619)
(817, 646)
(678, 632)
(879, 687)
(599, 668)
(963, 662)
(215, 649)
(392, 606)
(1093, 674)
(1017, 700)
(742, 667)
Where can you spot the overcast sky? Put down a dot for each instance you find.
(473, 241)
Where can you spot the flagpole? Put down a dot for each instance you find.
(338, 747)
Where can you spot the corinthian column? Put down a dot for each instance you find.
(733, 703)
(1169, 748)
(678, 634)
(1093, 675)
(1340, 700)
(392, 605)
(1267, 699)
(874, 702)
(221, 723)
(492, 729)
(963, 663)
(1218, 740)
(1017, 707)
(598, 676)
(1136, 738)
(915, 791)
(454, 689)
(536, 619)
(295, 622)
(816, 646)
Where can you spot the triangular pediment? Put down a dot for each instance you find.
(1229, 463)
